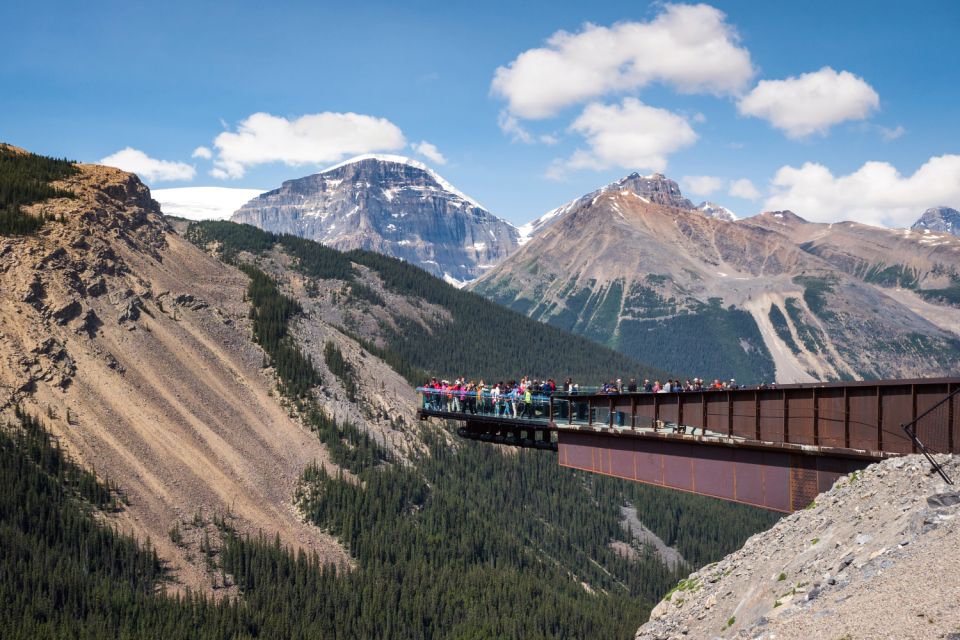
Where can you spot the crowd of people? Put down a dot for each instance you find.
(529, 398)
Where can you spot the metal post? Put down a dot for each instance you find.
(951, 419)
(879, 418)
(786, 418)
(633, 412)
(913, 414)
(816, 417)
(703, 410)
(756, 410)
(729, 414)
(590, 411)
(846, 417)
(612, 407)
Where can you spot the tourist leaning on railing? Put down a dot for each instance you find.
(529, 398)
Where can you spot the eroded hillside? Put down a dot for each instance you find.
(135, 347)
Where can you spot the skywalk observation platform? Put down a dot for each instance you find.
(775, 448)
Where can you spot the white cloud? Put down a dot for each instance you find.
(512, 127)
(150, 169)
(518, 133)
(811, 103)
(702, 185)
(745, 189)
(202, 152)
(318, 138)
(889, 134)
(429, 151)
(630, 135)
(203, 203)
(690, 47)
(875, 193)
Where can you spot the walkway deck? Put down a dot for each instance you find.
(774, 448)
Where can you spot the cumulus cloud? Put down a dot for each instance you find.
(876, 193)
(150, 169)
(318, 138)
(702, 185)
(812, 102)
(202, 152)
(630, 135)
(690, 47)
(745, 189)
(429, 151)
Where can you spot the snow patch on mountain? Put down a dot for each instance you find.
(388, 157)
(203, 203)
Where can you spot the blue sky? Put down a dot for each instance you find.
(164, 79)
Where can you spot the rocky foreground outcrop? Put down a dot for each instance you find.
(874, 557)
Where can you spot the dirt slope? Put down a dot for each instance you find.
(134, 346)
(875, 557)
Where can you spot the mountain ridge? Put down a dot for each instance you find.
(794, 299)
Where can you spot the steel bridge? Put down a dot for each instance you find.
(775, 448)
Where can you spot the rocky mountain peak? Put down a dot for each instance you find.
(656, 188)
(939, 220)
(714, 210)
(783, 217)
(392, 205)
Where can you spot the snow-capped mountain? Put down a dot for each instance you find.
(939, 220)
(391, 205)
(714, 210)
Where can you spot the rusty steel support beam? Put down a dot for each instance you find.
(778, 480)
(952, 420)
(816, 418)
(913, 412)
(879, 417)
(846, 417)
(786, 418)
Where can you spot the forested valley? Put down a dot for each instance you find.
(466, 540)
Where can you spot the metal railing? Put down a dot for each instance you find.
(862, 416)
(486, 403)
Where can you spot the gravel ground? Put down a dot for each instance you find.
(875, 557)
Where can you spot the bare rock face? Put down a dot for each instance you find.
(939, 220)
(390, 205)
(870, 558)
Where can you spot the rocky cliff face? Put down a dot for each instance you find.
(871, 558)
(635, 266)
(390, 205)
(939, 220)
(135, 348)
